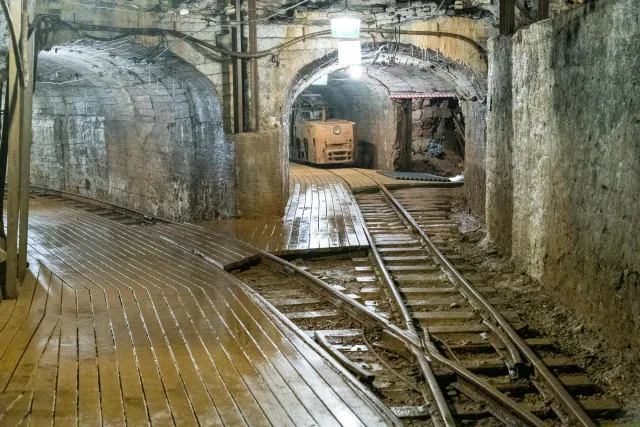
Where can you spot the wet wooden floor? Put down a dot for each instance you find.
(116, 326)
(320, 214)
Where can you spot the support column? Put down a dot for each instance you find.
(18, 138)
(13, 159)
(507, 16)
(25, 134)
(543, 9)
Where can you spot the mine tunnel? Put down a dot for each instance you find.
(320, 213)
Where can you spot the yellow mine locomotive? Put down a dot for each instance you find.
(319, 141)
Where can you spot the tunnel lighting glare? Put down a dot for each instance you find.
(349, 53)
(355, 71)
(322, 81)
(345, 28)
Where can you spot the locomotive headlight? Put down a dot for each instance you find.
(337, 130)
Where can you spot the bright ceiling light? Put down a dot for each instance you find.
(345, 28)
(355, 71)
(349, 53)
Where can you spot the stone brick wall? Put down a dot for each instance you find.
(146, 136)
(568, 123)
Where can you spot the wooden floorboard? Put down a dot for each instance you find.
(125, 325)
(319, 216)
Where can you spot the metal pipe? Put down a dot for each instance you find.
(507, 16)
(238, 81)
(574, 410)
(14, 42)
(543, 9)
(253, 68)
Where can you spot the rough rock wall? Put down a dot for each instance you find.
(146, 137)
(576, 157)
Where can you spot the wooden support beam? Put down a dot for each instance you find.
(13, 161)
(543, 9)
(507, 16)
(28, 47)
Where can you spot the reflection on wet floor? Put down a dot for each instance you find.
(116, 325)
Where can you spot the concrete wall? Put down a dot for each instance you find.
(572, 140)
(148, 137)
(260, 179)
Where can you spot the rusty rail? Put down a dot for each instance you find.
(573, 409)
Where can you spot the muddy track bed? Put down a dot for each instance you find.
(457, 328)
(384, 366)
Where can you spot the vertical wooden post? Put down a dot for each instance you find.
(507, 16)
(543, 9)
(408, 123)
(25, 148)
(13, 161)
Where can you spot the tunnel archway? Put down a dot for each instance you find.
(112, 121)
(407, 69)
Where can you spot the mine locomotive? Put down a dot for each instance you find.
(318, 140)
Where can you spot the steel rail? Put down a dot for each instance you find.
(573, 409)
(427, 372)
(107, 205)
(354, 383)
(433, 355)
(412, 342)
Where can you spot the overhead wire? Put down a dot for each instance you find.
(252, 55)
(14, 43)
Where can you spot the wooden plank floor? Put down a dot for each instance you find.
(320, 216)
(115, 326)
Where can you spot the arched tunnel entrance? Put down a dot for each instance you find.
(413, 109)
(118, 122)
(396, 114)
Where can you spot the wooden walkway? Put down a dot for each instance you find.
(320, 216)
(115, 326)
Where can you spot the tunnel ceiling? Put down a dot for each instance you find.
(400, 79)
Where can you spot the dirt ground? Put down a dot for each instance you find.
(541, 312)
(450, 165)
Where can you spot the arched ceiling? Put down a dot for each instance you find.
(111, 122)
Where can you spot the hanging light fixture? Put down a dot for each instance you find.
(345, 28)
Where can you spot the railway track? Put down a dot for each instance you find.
(462, 317)
(420, 326)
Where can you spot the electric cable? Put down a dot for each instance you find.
(14, 42)
(253, 55)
